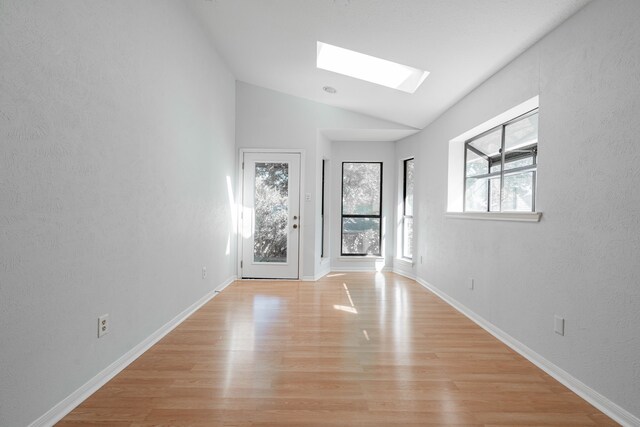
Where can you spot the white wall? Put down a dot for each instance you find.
(117, 133)
(581, 260)
(270, 119)
(362, 151)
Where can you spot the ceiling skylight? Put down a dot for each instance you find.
(369, 68)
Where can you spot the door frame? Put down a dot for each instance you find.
(240, 202)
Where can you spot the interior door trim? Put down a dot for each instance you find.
(239, 198)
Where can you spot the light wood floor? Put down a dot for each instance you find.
(353, 349)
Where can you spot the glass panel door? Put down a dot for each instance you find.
(271, 215)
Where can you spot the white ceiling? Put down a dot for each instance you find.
(367, 134)
(272, 43)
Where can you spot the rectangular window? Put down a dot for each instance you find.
(322, 216)
(361, 208)
(407, 209)
(500, 167)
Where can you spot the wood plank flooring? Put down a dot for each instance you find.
(353, 349)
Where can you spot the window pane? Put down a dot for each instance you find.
(361, 188)
(522, 133)
(518, 163)
(476, 195)
(489, 144)
(494, 196)
(408, 201)
(271, 212)
(518, 192)
(496, 166)
(361, 236)
(407, 238)
(476, 165)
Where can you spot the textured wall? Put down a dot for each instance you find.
(117, 137)
(581, 260)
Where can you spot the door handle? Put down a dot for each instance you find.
(295, 226)
(295, 217)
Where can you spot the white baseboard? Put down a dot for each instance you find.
(358, 269)
(605, 405)
(221, 287)
(323, 272)
(406, 274)
(56, 413)
(316, 277)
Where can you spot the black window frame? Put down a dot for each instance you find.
(404, 203)
(322, 215)
(343, 216)
(501, 159)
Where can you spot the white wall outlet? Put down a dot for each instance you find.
(204, 272)
(307, 197)
(558, 325)
(470, 283)
(103, 325)
(420, 259)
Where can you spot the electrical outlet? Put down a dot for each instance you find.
(420, 259)
(103, 325)
(307, 197)
(558, 325)
(204, 272)
(470, 283)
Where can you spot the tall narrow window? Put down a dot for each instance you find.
(501, 166)
(407, 209)
(322, 215)
(361, 208)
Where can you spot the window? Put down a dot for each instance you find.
(361, 208)
(322, 216)
(369, 68)
(407, 208)
(500, 167)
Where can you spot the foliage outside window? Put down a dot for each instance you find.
(501, 166)
(361, 208)
(271, 212)
(407, 209)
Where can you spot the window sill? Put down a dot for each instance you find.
(497, 216)
(407, 262)
(361, 258)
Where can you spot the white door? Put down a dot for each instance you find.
(270, 215)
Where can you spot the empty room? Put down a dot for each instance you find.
(319, 213)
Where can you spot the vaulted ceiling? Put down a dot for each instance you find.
(272, 43)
